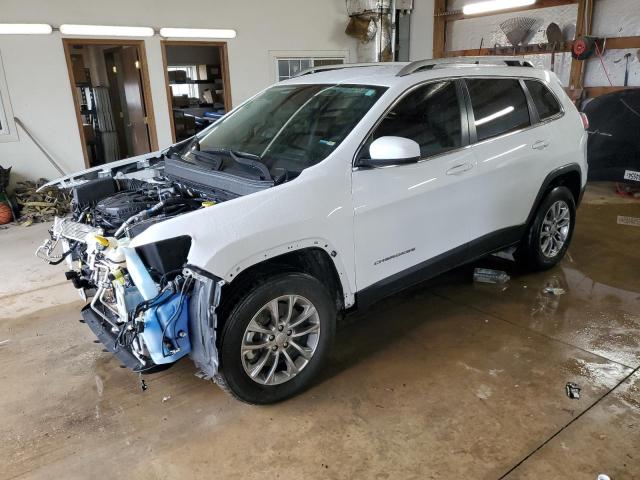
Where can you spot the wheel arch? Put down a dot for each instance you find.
(316, 259)
(569, 176)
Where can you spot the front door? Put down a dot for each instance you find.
(411, 220)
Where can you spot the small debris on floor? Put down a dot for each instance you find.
(573, 390)
(554, 291)
(143, 385)
(166, 399)
(625, 220)
(486, 275)
(603, 476)
(4, 342)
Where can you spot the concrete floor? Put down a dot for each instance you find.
(449, 380)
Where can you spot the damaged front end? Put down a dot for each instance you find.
(146, 304)
(145, 307)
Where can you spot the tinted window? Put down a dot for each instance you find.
(499, 106)
(430, 115)
(546, 104)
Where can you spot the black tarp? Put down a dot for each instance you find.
(614, 141)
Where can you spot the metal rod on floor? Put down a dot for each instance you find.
(39, 145)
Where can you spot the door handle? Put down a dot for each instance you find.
(540, 144)
(458, 169)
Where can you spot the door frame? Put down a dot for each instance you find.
(224, 70)
(68, 43)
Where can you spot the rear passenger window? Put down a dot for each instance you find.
(545, 102)
(430, 115)
(499, 106)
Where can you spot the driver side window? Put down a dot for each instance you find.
(430, 115)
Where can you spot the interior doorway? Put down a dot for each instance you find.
(197, 79)
(110, 84)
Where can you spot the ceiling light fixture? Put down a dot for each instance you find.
(197, 32)
(25, 29)
(106, 31)
(493, 5)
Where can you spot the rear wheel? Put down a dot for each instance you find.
(548, 237)
(276, 338)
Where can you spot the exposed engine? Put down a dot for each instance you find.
(139, 296)
(125, 206)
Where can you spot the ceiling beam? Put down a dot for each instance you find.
(611, 43)
(505, 51)
(616, 43)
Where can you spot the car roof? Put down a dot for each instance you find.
(390, 74)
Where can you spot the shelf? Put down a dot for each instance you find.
(532, 49)
(194, 82)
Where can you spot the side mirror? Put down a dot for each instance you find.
(386, 151)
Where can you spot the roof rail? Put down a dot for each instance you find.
(339, 66)
(495, 61)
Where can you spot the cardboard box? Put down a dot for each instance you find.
(208, 72)
(185, 126)
(180, 101)
(209, 96)
(80, 72)
(89, 133)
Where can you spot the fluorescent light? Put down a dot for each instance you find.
(493, 5)
(493, 116)
(106, 31)
(197, 32)
(25, 29)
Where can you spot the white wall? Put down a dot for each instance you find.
(421, 39)
(38, 82)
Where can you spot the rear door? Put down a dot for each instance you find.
(409, 220)
(509, 145)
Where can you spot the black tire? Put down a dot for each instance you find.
(232, 376)
(530, 252)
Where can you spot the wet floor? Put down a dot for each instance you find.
(448, 380)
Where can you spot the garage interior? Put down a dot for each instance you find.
(536, 377)
(198, 84)
(111, 98)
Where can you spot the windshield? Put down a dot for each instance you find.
(291, 127)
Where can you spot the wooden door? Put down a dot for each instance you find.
(112, 61)
(134, 98)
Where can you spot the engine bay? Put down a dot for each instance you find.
(139, 297)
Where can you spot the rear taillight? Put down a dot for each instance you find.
(585, 120)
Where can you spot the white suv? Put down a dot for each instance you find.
(239, 247)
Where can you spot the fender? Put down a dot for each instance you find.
(234, 235)
(553, 175)
(323, 244)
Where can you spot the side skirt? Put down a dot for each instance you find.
(485, 245)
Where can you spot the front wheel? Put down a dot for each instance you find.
(548, 237)
(276, 338)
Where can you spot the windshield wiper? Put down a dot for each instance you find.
(243, 158)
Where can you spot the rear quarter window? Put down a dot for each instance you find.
(546, 103)
(499, 106)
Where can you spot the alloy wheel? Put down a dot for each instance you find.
(555, 229)
(280, 340)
